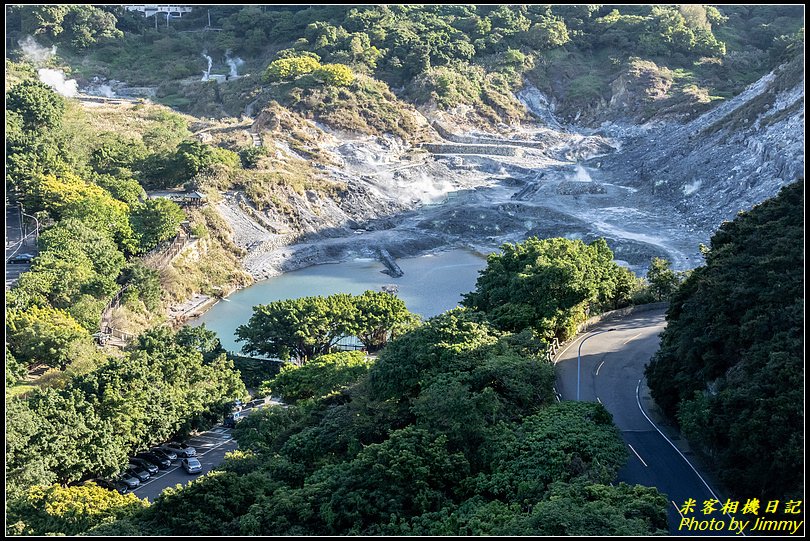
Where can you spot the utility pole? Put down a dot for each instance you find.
(209, 18)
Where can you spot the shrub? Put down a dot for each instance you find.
(287, 69)
(335, 74)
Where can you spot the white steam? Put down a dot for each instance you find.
(34, 52)
(207, 73)
(234, 63)
(582, 174)
(56, 80)
(38, 55)
(102, 90)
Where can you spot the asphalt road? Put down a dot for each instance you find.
(211, 448)
(16, 243)
(612, 372)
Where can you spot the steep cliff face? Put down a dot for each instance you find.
(726, 160)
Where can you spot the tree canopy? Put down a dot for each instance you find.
(548, 285)
(305, 328)
(730, 367)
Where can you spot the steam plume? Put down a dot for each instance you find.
(207, 73)
(34, 52)
(56, 80)
(234, 63)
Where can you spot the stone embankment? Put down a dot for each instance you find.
(393, 269)
(460, 148)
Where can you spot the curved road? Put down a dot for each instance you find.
(612, 371)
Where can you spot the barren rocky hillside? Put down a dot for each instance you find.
(650, 189)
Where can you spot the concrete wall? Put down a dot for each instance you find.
(459, 148)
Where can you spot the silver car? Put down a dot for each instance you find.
(180, 449)
(191, 465)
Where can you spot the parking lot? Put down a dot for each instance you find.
(211, 447)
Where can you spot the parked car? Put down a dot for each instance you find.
(162, 463)
(140, 473)
(191, 465)
(233, 418)
(168, 455)
(181, 448)
(21, 258)
(109, 484)
(130, 480)
(145, 464)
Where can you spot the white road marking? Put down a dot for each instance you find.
(597, 399)
(598, 367)
(165, 472)
(677, 508)
(638, 401)
(639, 456)
(632, 338)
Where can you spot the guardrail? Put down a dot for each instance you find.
(555, 346)
(162, 254)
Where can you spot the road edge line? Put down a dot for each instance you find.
(638, 401)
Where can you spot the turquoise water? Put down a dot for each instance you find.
(431, 285)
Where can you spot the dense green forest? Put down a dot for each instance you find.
(82, 176)
(445, 55)
(453, 429)
(731, 364)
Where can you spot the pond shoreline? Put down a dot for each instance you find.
(432, 283)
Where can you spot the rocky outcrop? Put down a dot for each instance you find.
(726, 160)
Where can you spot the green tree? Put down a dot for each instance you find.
(88, 25)
(379, 317)
(334, 74)
(57, 510)
(581, 508)
(319, 377)
(300, 329)
(545, 284)
(46, 335)
(731, 357)
(37, 104)
(122, 187)
(43, 20)
(200, 339)
(155, 220)
(251, 155)
(15, 370)
(662, 278)
(144, 285)
(287, 69)
(562, 442)
(194, 157)
(114, 153)
(453, 341)
(549, 33)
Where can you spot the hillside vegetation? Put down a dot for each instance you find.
(730, 368)
(452, 430)
(433, 56)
